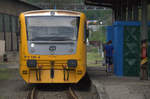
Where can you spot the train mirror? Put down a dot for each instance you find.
(87, 33)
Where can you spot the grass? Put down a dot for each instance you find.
(4, 74)
(93, 56)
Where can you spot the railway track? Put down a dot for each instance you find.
(70, 93)
(32, 94)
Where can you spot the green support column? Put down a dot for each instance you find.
(124, 13)
(113, 15)
(135, 10)
(119, 13)
(135, 13)
(115, 11)
(129, 11)
(123, 8)
(116, 14)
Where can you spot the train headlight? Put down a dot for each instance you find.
(31, 63)
(72, 63)
(32, 45)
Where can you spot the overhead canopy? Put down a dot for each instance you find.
(106, 3)
(111, 3)
(127, 10)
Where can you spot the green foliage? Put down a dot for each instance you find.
(98, 35)
(104, 16)
(93, 56)
(96, 14)
(101, 15)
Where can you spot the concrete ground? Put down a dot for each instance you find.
(112, 87)
(108, 85)
(12, 86)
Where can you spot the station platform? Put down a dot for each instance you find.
(113, 87)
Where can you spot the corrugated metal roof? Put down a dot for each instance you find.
(48, 12)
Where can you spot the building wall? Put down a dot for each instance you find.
(14, 7)
(9, 12)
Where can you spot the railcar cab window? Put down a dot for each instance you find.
(49, 28)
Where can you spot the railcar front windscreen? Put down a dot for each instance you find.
(52, 28)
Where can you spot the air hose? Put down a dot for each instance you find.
(66, 70)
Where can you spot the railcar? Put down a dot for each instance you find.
(52, 46)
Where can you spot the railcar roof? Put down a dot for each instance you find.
(49, 12)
